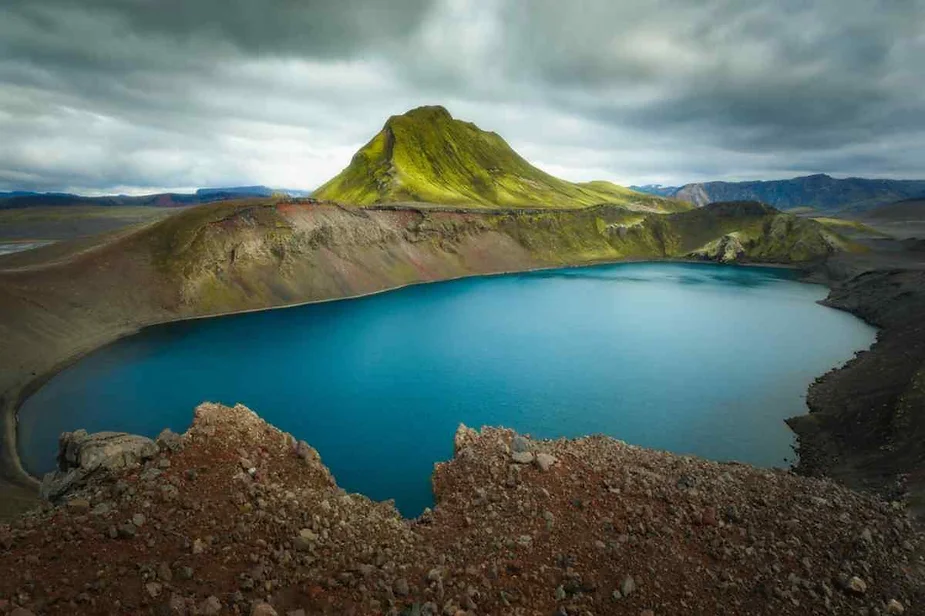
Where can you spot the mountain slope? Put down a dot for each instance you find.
(426, 155)
(819, 191)
(905, 210)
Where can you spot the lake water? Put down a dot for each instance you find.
(691, 358)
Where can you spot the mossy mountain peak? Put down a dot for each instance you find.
(426, 155)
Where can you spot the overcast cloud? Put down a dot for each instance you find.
(142, 95)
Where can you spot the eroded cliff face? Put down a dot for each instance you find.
(271, 254)
(235, 516)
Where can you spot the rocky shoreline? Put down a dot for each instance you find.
(237, 517)
(866, 425)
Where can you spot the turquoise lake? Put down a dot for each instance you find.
(690, 358)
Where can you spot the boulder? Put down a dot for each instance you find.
(81, 454)
(263, 609)
(168, 440)
(545, 461)
(103, 450)
(306, 452)
(464, 437)
(727, 249)
(56, 484)
(519, 444)
(522, 457)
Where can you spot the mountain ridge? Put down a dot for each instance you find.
(24, 198)
(426, 155)
(819, 191)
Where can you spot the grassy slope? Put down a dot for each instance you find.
(847, 226)
(425, 155)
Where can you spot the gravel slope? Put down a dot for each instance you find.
(235, 514)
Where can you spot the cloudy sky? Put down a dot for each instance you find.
(141, 95)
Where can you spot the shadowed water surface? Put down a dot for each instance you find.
(691, 358)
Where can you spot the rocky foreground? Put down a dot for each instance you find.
(236, 517)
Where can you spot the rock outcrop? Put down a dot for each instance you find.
(81, 455)
(727, 249)
(239, 518)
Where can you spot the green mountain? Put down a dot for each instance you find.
(425, 155)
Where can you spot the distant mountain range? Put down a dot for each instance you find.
(820, 191)
(426, 155)
(19, 199)
(657, 189)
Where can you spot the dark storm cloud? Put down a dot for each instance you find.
(137, 94)
(764, 74)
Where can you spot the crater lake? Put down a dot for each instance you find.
(692, 358)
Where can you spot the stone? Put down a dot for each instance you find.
(168, 440)
(263, 609)
(895, 607)
(306, 452)
(627, 586)
(305, 540)
(78, 505)
(545, 461)
(21, 611)
(401, 587)
(301, 544)
(138, 520)
(210, 606)
(198, 546)
(550, 519)
(57, 483)
(153, 589)
(127, 531)
(732, 514)
(150, 474)
(101, 509)
(81, 454)
(177, 604)
(464, 437)
(164, 573)
(857, 586)
(103, 450)
(646, 613)
(519, 444)
(185, 573)
(709, 517)
(522, 457)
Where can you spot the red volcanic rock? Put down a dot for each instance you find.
(235, 516)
